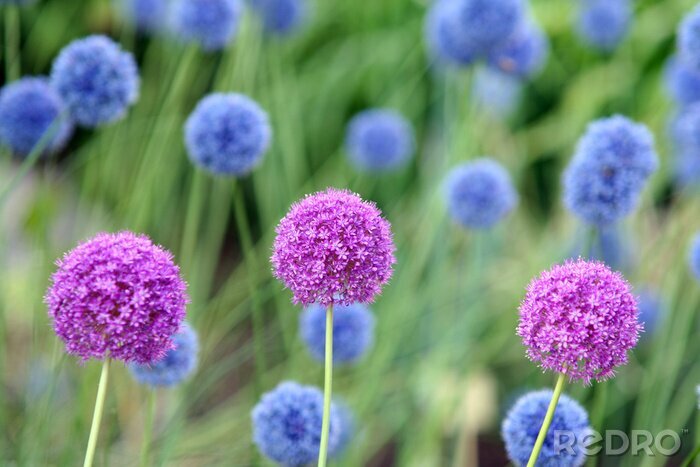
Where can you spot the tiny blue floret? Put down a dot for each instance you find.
(227, 134)
(379, 140)
(210, 23)
(603, 24)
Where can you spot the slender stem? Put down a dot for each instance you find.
(148, 426)
(97, 415)
(192, 220)
(547, 421)
(327, 389)
(12, 69)
(689, 460)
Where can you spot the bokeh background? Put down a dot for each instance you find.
(446, 362)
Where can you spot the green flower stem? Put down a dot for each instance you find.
(148, 427)
(327, 389)
(97, 415)
(547, 421)
(12, 68)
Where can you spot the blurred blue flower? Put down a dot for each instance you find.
(522, 424)
(97, 80)
(523, 54)
(145, 15)
(685, 128)
(347, 427)
(603, 24)
(353, 332)
(379, 140)
(496, 93)
(227, 134)
(694, 257)
(689, 39)
(179, 363)
(287, 424)
(479, 193)
(210, 23)
(651, 310)
(28, 108)
(446, 37)
(682, 82)
(281, 17)
(613, 160)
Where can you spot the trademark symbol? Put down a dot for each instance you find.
(684, 431)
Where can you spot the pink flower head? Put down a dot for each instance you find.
(117, 296)
(333, 248)
(580, 319)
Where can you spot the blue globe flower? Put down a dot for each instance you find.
(651, 310)
(281, 17)
(379, 140)
(210, 23)
(694, 256)
(227, 134)
(689, 39)
(177, 365)
(145, 15)
(287, 424)
(603, 24)
(496, 93)
(28, 109)
(522, 425)
(682, 82)
(613, 160)
(685, 128)
(479, 193)
(353, 332)
(445, 35)
(523, 54)
(97, 80)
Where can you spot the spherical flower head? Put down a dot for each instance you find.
(522, 424)
(281, 17)
(613, 160)
(480, 194)
(445, 35)
(287, 424)
(651, 310)
(97, 80)
(689, 39)
(353, 332)
(210, 23)
(682, 82)
(379, 140)
(523, 54)
(333, 248)
(603, 24)
(227, 134)
(29, 108)
(496, 92)
(579, 319)
(117, 296)
(685, 128)
(178, 363)
(694, 257)
(145, 15)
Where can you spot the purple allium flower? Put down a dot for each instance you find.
(682, 82)
(145, 15)
(287, 424)
(333, 248)
(603, 24)
(210, 23)
(227, 134)
(522, 424)
(117, 296)
(97, 80)
(282, 17)
(28, 109)
(651, 310)
(694, 257)
(523, 54)
(580, 319)
(379, 140)
(479, 193)
(353, 332)
(496, 92)
(178, 364)
(689, 39)
(613, 160)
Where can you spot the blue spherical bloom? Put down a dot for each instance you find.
(287, 424)
(97, 80)
(480, 193)
(523, 54)
(28, 109)
(613, 160)
(682, 82)
(379, 140)
(227, 134)
(689, 39)
(445, 34)
(210, 23)
(694, 258)
(353, 332)
(522, 425)
(651, 310)
(496, 93)
(176, 366)
(685, 128)
(146, 15)
(281, 17)
(603, 24)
